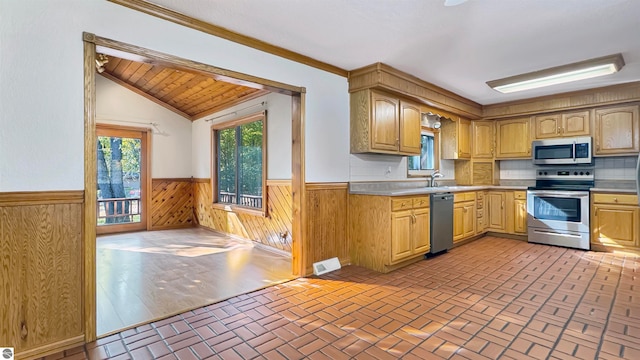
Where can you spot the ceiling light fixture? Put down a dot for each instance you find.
(101, 60)
(559, 75)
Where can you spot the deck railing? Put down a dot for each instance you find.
(254, 201)
(118, 210)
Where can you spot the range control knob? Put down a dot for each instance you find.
(581, 173)
(588, 173)
(545, 173)
(575, 173)
(539, 172)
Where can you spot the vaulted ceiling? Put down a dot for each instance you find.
(190, 94)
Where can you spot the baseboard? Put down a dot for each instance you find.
(53, 348)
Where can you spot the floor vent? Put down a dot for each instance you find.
(325, 266)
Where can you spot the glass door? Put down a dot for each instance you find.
(121, 179)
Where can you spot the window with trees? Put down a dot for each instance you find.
(240, 162)
(425, 163)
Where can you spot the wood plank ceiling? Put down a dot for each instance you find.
(190, 94)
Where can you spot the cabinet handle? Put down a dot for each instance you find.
(615, 199)
(413, 218)
(23, 330)
(502, 205)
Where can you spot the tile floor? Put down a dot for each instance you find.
(493, 298)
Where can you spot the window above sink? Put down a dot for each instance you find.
(428, 161)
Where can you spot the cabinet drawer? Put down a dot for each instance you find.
(480, 213)
(480, 195)
(464, 196)
(401, 204)
(520, 195)
(626, 199)
(420, 202)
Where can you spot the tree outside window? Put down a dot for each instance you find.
(240, 161)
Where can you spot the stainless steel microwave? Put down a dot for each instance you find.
(564, 151)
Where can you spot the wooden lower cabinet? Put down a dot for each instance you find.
(520, 218)
(507, 212)
(464, 216)
(497, 216)
(388, 232)
(481, 212)
(615, 220)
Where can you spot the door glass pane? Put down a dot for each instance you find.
(554, 152)
(227, 166)
(554, 208)
(119, 187)
(250, 152)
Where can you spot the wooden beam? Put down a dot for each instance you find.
(145, 95)
(218, 31)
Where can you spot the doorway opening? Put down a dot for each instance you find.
(96, 45)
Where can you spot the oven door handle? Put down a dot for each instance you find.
(574, 151)
(571, 194)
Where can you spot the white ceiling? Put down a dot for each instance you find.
(458, 48)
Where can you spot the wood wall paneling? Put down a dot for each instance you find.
(171, 204)
(326, 232)
(274, 231)
(41, 260)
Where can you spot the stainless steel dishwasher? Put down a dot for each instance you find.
(441, 223)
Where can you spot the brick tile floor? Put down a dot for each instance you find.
(493, 298)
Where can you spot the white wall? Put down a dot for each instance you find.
(42, 96)
(278, 108)
(170, 141)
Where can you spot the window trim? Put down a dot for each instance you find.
(436, 155)
(262, 115)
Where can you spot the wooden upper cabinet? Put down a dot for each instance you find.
(410, 117)
(455, 139)
(513, 139)
(616, 131)
(547, 126)
(561, 125)
(482, 138)
(576, 123)
(382, 123)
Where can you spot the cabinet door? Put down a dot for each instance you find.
(497, 214)
(469, 219)
(520, 224)
(421, 231)
(384, 122)
(547, 126)
(409, 128)
(401, 242)
(576, 124)
(616, 131)
(458, 222)
(464, 138)
(482, 134)
(615, 225)
(513, 139)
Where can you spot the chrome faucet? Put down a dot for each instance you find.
(435, 175)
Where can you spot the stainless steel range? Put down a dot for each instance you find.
(558, 206)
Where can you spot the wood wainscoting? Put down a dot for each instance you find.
(41, 266)
(274, 230)
(172, 204)
(326, 231)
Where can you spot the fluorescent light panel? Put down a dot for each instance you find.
(559, 75)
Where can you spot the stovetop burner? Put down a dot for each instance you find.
(573, 178)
